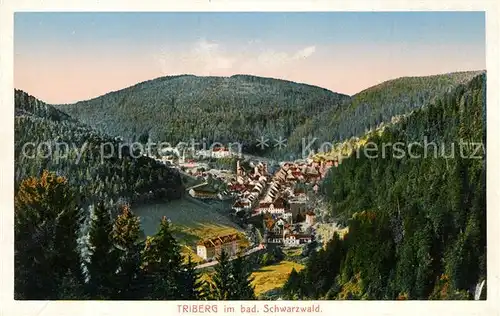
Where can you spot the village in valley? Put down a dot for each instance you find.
(272, 198)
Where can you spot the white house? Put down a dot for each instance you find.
(221, 152)
(277, 207)
(275, 210)
(275, 239)
(278, 226)
(291, 241)
(296, 239)
(210, 248)
(241, 204)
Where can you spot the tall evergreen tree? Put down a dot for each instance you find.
(130, 278)
(242, 288)
(191, 286)
(221, 285)
(103, 264)
(293, 286)
(162, 263)
(45, 236)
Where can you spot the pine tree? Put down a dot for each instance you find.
(190, 284)
(242, 288)
(71, 288)
(45, 236)
(125, 235)
(293, 285)
(221, 285)
(333, 255)
(103, 263)
(162, 262)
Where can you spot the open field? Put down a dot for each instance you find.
(266, 278)
(273, 276)
(190, 222)
(293, 252)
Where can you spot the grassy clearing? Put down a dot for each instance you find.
(293, 252)
(190, 222)
(273, 276)
(266, 278)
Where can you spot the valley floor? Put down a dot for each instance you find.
(191, 221)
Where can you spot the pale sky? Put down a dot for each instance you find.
(68, 57)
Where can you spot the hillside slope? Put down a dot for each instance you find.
(375, 105)
(416, 215)
(240, 108)
(46, 138)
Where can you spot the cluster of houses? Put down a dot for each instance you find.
(217, 152)
(281, 232)
(280, 199)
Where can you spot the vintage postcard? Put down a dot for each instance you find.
(273, 160)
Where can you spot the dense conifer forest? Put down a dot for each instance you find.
(76, 236)
(376, 105)
(53, 261)
(417, 226)
(177, 109)
(243, 108)
(92, 161)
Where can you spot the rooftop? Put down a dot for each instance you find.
(219, 240)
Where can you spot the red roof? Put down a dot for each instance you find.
(218, 240)
(237, 187)
(219, 149)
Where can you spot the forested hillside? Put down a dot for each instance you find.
(112, 261)
(378, 104)
(91, 160)
(224, 109)
(417, 226)
(75, 234)
(243, 108)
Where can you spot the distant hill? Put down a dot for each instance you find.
(243, 108)
(375, 105)
(240, 108)
(39, 128)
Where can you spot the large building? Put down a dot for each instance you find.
(221, 152)
(211, 248)
(204, 191)
(276, 207)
